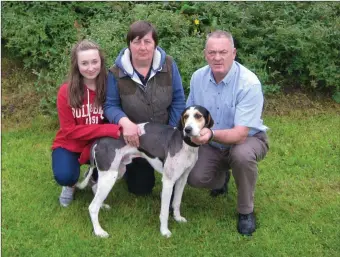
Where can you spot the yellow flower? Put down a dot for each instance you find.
(196, 22)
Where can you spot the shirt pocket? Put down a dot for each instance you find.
(228, 113)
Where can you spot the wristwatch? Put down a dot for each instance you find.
(212, 136)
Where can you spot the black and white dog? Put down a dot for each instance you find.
(169, 150)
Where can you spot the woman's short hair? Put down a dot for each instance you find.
(140, 29)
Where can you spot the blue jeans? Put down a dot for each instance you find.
(66, 168)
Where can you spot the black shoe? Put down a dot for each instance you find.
(224, 189)
(246, 224)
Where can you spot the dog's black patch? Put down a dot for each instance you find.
(149, 154)
(105, 151)
(159, 140)
(176, 142)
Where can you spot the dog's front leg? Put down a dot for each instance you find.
(165, 203)
(176, 203)
(106, 180)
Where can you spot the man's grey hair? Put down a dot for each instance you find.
(220, 34)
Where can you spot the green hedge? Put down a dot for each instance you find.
(287, 44)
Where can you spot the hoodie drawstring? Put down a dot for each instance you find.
(88, 105)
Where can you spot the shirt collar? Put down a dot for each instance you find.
(142, 78)
(227, 79)
(126, 63)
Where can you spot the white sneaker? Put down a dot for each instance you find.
(66, 196)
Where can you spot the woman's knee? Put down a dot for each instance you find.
(65, 166)
(140, 177)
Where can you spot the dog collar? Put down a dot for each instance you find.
(188, 141)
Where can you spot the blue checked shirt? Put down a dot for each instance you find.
(236, 101)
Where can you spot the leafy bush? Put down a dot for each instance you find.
(287, 44)
(38, 32)
(188, 54)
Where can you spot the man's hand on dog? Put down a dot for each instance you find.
(204, 137)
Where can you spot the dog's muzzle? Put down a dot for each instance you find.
(188, 131)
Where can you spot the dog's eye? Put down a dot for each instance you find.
(198, 116)
(185, 116)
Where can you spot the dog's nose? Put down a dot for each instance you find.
(188, 130)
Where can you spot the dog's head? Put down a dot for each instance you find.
(193, 119)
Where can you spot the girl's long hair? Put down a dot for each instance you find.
(76, 87)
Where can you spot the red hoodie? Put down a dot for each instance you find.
(79, 127)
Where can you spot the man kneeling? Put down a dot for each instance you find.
(238, 140)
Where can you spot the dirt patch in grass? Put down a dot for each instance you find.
(299, 103)
(19, 100)
(19, 108)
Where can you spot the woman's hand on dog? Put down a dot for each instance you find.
(131, 132)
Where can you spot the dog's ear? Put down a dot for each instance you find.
(180, 125)
(209, 120)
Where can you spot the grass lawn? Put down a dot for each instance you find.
(297, 202)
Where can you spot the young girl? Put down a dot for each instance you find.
(79, 105)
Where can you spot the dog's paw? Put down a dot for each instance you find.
(166, 233)
(180, 219)
(101, 233)
(106, 206)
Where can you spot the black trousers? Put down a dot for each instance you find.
(140, 177)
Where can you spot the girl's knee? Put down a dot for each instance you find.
(65, 179)
(65, 166)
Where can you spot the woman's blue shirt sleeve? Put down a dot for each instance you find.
(178, 98)
(112, 106)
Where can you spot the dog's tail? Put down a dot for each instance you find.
(84, 183)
